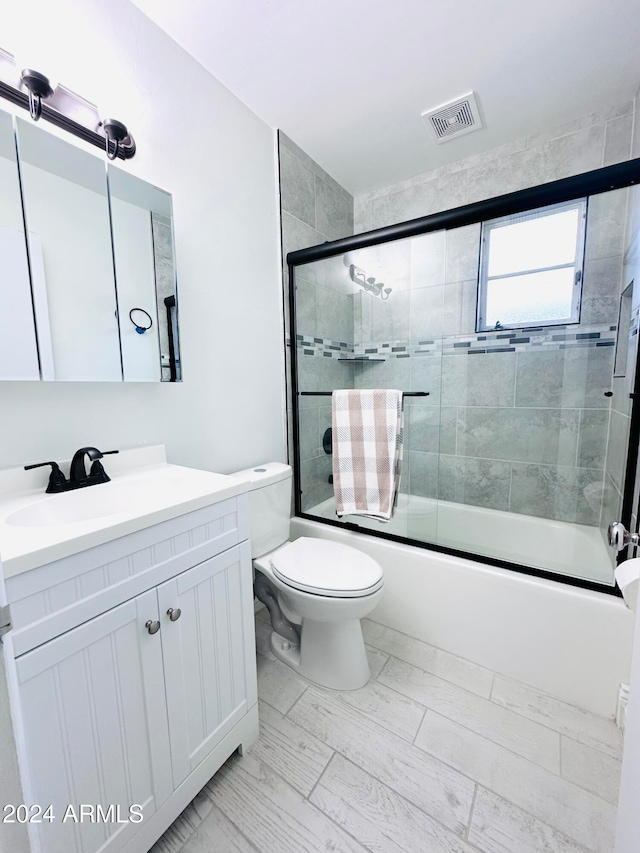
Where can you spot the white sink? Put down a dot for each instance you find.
(98, 501)
(37, 529)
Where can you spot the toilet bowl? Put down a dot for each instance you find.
(317, 591)
(325, 589)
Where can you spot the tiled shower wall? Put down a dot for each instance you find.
(516, 420)
(314, 209)
(524, 429)
(597, 139)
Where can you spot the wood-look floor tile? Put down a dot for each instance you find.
(278, 684)
(497, 826)
(591, 769)
(183, 827)
(271, 814)
(377, 660)
(262, 614)
(397, 713)
(452, 668)
(377, 816)
(571, 810)
(217, 834)
(427, 783)
(295, 754)
(598, 732)
(263, 639)
(513, 731)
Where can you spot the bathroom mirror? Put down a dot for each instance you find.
(18, 345)
(142, 220)
(66, 210)
(90, 293)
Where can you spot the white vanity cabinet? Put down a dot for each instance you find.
(93, 711)
(204, 650)
(132, 678)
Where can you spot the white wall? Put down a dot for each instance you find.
(198, 141)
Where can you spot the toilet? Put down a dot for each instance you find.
(316, 591)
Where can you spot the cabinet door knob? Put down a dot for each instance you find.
(152, 626)
(174, 613)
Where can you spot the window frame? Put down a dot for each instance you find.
(581, 204)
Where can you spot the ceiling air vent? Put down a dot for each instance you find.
(453, 119)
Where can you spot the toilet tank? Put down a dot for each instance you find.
(269, 505)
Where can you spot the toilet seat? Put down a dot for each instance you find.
(326, 568)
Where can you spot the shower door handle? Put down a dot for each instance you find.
(619, 537)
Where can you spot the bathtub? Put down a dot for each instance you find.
(575, 550)
(570, 642)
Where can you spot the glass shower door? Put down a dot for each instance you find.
(536, 447)
(355, 329)
(518, 454)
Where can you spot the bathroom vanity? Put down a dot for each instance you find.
(130, 657)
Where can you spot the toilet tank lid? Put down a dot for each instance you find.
(263, 475)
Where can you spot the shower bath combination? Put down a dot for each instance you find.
(518, 451)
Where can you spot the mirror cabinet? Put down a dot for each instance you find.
(88, 280)
(18, 344)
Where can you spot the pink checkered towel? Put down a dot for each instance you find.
(367, 451)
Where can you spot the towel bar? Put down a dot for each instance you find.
(329, 393)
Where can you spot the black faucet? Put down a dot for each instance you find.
(78, 472)
(78, 477)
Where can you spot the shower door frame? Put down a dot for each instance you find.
(618, 176)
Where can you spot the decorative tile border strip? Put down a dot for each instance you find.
(323, 347)
(521, 340)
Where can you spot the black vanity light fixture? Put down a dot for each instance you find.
(114, 132)
(34, 91)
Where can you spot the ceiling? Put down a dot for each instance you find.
(348, 80)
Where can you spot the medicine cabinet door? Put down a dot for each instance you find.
(142, 223)
(18, 345)
(66, 210)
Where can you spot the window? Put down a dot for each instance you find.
(531, 268)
